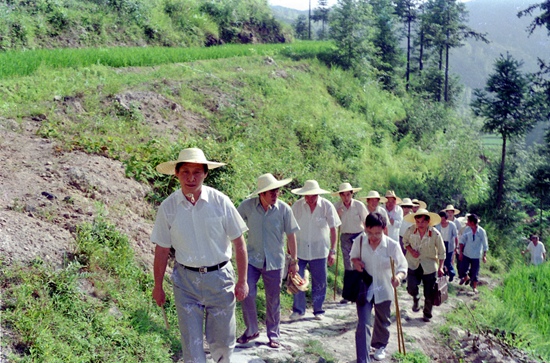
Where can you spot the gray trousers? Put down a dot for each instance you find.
(380, 331)
(272, 285)
(346, 241)
(205, 300)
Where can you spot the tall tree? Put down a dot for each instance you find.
(321, 13)
(300, 27)
(350, 28)
(387, 52)
(444, 26)
(507, 108)
(407, 11)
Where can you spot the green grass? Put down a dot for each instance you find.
(24, 63)
(519, 308)
(98, 308)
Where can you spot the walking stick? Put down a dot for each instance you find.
(400, 340)
(336, 264)
(165, 318)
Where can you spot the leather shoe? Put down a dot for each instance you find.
(416, 305)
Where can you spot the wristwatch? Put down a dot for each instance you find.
(332, 250)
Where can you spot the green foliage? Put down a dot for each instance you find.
(518, 310)
(411, 357)
(96, 308)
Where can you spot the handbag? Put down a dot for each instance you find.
(441, 290)
(353, 279)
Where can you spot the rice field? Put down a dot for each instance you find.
(24, 63)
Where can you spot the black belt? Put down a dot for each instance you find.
(205, 269)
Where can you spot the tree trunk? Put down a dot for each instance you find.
(446, 92)
(408, 74)
(421, 52)
(500, 186)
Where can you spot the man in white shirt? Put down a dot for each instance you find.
(395, 214)
(406, 205)
(450, 240)
(200, 223)
(316, 239)
(536, 249)
(452, 212)
(352, 213)
(372, 200)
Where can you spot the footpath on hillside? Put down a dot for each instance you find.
(304, 340)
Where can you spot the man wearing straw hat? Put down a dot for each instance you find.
(316, 241)
(418, 204)
(449, 234)
(425, 256)
(406, 205)
(352, 213)
(452, 212)
(372, 200)
(200, 223)
(395, 214)
(268, 220)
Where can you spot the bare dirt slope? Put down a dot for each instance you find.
(45, 193)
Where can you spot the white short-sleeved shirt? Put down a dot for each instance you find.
(202, 233)
(397, 215)
(536, 252)
(313, 238)
(353, 218)
(377, 264)
(382, 211)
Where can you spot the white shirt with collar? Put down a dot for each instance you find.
(353, 218)
(313, 238)
(397, 215)
(201, 234)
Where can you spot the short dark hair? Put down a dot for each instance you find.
(375, 220)
(442, 214)
(179, 165)
(473, 218)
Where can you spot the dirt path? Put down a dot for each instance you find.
(336, 334)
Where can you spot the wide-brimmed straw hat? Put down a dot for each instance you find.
(435, 219)
(391, 194)
(190, 155)
(311, 187)
(374, 194)
(420, 203)
(346, 187)
(268, 182)
(406, 202)
(451, 207)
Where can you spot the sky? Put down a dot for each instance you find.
(304, 4)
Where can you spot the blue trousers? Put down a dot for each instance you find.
(318, 272)
(272, 284)
(449, 262)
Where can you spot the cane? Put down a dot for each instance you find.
(165, 318)
(336, 272)
(400, 340)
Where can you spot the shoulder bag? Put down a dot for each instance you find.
(353, 278)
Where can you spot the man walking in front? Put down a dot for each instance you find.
(268, 220)
(200, 223)
(316, 240)
(425, 257)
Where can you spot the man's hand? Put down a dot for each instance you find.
(358, 264)
(241, 290)
(331, 258)
(484, 259)
(440, 272)
(293, 268)
(159, 295)
(414, 253)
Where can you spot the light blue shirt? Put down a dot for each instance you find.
(474, 243)
(265, 241)
(452, 234)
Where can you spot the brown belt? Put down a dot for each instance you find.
(205, 269)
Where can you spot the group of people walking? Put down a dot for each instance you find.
(201, 224)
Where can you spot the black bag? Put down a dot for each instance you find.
(353, 278)
(441, 290)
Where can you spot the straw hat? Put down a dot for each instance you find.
(435, 219)
(190, 155)
(268, 182)
(296, 283)
(450, 207)
(345, 187)
(374, 194)
(311, 187)
(391, 194)
(407, 202)
(420, 203)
